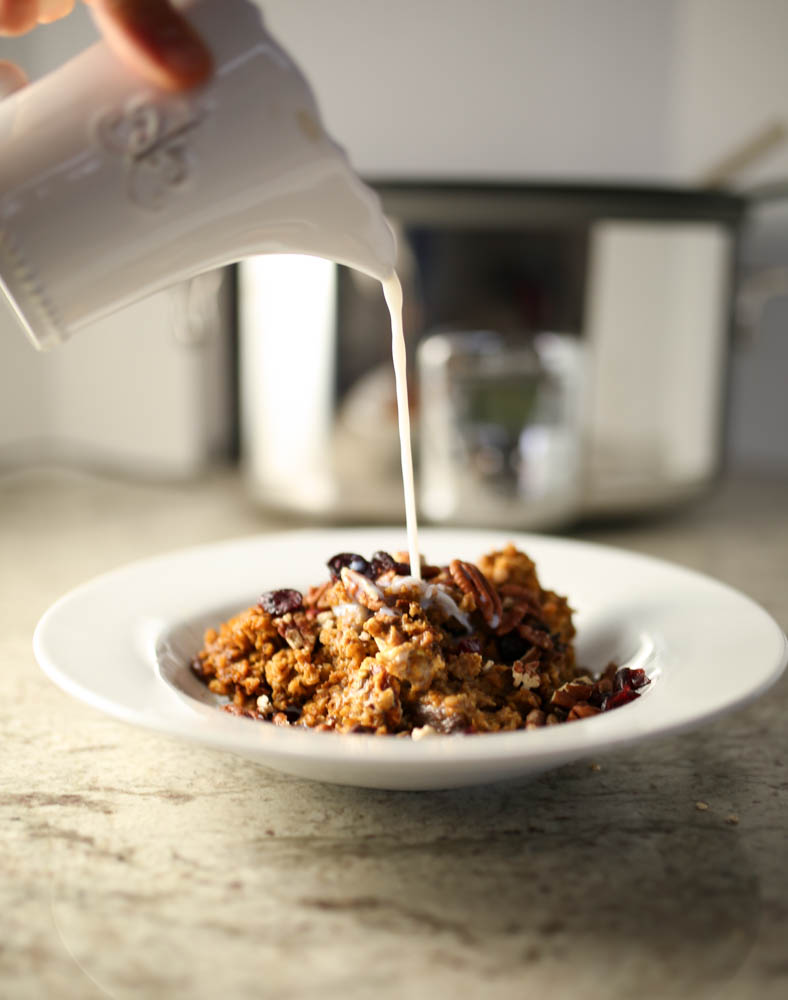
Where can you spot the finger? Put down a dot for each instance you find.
(12, 78)
(17, 16)
(53, 10)
(155, 40)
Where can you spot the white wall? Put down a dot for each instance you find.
(639, 89)
(563, 88)
(731, 81)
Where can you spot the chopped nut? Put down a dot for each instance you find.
(732, 819)
(314, 596)
(531, 698)
(516, 603)
(511, 618)
(525, 675)
(536, 636)
(264, 705)
(604, 686)
(294, 638)
(520, 594)
(362, 590)
(701, 806)
(595, 767)
(570, 693)
(351, 615)
(472, 581)
(297, 630)
(582, 710)
(535, 719)
(424, 732)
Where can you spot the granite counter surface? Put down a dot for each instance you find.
(136, 866)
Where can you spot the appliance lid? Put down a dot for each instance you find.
(465, 202)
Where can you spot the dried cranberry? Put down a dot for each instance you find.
(279, 602)
(350, 559)
(512, 646)
(622, 697)
(625, 678)
(597, 698)
(622, 679)
(469, 646)
(382, 562)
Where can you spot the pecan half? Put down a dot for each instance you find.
(471, 580)
(362, 590)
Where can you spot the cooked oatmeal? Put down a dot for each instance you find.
(470, 648)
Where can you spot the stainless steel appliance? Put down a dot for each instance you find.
(568, 348)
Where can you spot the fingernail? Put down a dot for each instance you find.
(12, 78)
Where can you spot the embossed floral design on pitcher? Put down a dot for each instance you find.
(153, 139)
(111, 190)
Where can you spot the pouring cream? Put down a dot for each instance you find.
(392, 290)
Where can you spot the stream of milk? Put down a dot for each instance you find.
(392, 291)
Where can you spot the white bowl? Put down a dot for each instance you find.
(123, 642)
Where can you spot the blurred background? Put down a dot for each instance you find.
(591, 201)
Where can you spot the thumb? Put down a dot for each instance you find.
(155, 40)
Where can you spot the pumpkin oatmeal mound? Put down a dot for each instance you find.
(471, 648)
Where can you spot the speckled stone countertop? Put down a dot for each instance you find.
(136, 866)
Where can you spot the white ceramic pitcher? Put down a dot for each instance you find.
(111, 189)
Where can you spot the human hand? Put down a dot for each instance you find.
(151, 36)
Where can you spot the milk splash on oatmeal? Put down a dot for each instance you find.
(392, 292)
